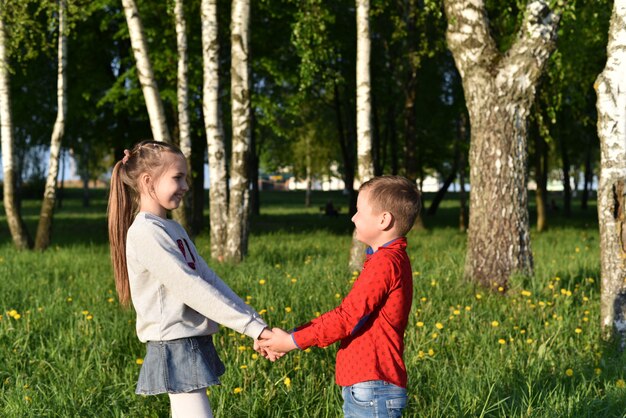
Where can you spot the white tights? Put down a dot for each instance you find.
(191, 404)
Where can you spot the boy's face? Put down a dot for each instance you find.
(366, 221)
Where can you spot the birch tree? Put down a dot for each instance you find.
(42, 239)
(499, 90)
(182, 213)
(237, 228)
(19, 234)
(365, 163)
(218, 192)
(610, 89)
(154, 105)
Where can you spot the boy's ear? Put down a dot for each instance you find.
(386, 221)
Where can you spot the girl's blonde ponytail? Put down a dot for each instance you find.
(120, 215)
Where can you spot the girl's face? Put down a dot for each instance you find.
(165, 192)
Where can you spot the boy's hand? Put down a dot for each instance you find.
(279, 342)
(267, 353)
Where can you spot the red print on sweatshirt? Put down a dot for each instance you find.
(181, 247)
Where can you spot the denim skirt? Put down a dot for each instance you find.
(179, 366)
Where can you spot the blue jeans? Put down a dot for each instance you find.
(373, 399)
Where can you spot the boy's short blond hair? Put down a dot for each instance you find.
(397, 195)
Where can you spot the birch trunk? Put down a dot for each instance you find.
(17, 228)
(183, 213)
(154, 105)
(44, 228)
(365, 162)
(218, 192)
(611, 104)
(240, 92)
(499, 90)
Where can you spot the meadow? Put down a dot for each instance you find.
(67, 348)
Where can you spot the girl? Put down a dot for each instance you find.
(178, 299)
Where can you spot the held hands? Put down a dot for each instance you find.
(279, 342)
(267, 353)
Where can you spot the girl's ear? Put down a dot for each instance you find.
(144, 182)
(386, 221)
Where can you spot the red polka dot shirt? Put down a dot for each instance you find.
(370, 321)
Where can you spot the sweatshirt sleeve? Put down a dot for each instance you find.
(365, 297)
(206, 294)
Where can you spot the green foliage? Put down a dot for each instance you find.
(68, 349)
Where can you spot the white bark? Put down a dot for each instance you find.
(499, 90)
(365, 162)
(16, 226)
(363, 93)
(240, 92)
(181, 214)
(154, 105)
(218, 193)
(42, 239)
(611, 104)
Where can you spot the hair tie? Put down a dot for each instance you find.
(126, 156)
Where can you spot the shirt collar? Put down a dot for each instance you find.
(369, 251)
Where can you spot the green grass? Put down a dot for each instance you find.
(73, 351)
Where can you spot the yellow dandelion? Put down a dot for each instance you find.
(416, 273)
(456, 312)
(420, 354)
(28, 399)
(317, 313)
(479, 296)
(69, 299)
(337, 295)
(500, 289)
(139, 361)
(431, 352)
(288, 309)
(85, 312)
(237, 390)
(17, 316)
(578, 330)
(294, 280)
(502, 341)
(495, 324)
(110, 300)
(526, 293)
(241, 348)
(89, 317)
(12, 313)
(620, 383)
(262, 282)
(434, 335)
(598, 371)
(287, 382)
(424, 299)
(433, 283)
(243, 366)
(420, 324)
(529, 341)
(262, 311)
(308, 350)
(468, 308)
(569, 372)
(439, 325)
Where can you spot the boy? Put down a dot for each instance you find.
(371, 320)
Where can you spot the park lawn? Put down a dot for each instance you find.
(67, 349)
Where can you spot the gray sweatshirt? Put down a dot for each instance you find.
(174, 292)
